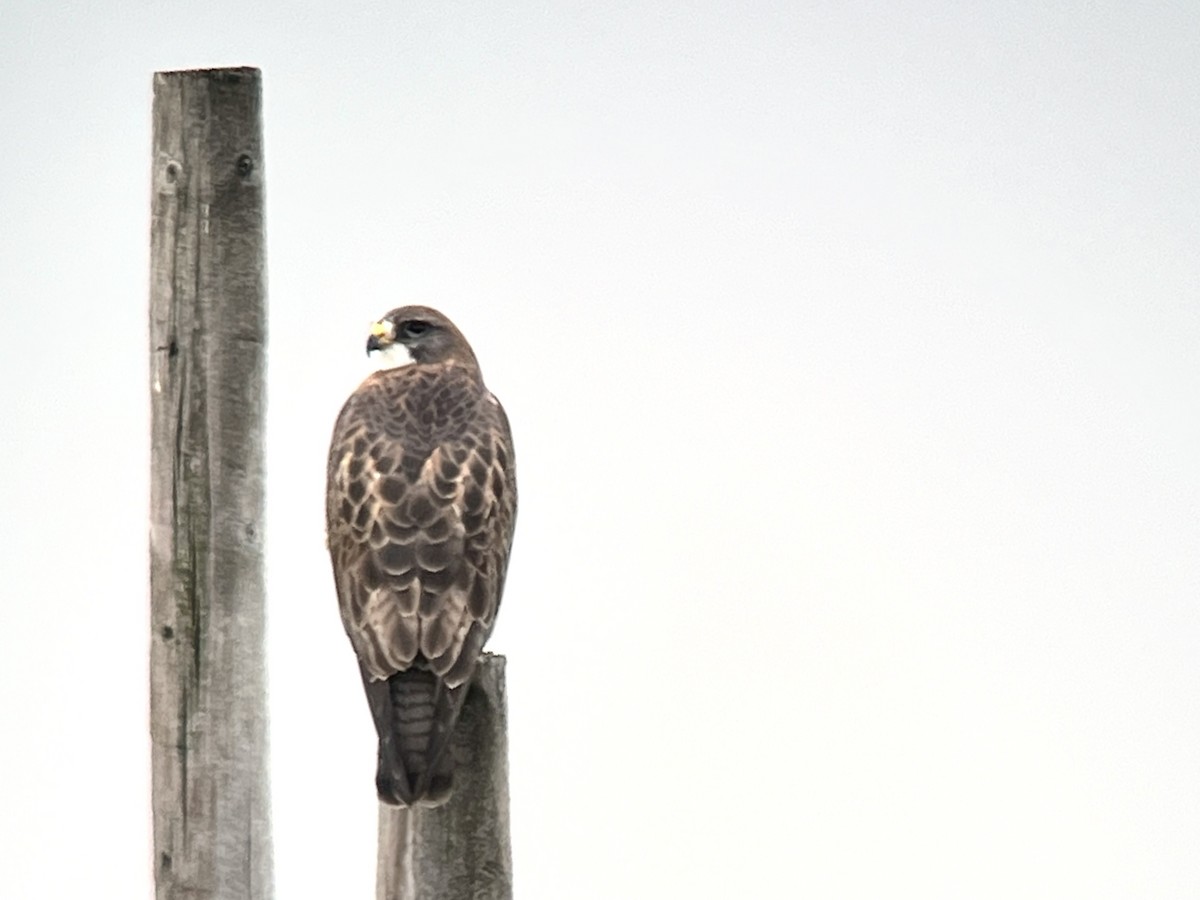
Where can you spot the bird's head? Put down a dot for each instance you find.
(417, 334)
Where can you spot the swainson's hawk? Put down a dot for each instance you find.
(421, 503)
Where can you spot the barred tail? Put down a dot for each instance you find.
(415, 714)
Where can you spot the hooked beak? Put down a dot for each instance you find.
(382, 334)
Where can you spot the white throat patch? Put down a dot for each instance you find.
(393, 356)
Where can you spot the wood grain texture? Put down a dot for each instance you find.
(208, 716)
(459, 851)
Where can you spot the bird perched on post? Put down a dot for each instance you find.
(421, 502)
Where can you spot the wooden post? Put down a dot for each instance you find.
(208, 713)
(459, 851)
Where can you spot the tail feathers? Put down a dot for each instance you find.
(415, 718)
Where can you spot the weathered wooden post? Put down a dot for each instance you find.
(208, 708)
(459, 851)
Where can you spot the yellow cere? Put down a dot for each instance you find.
(379, 329)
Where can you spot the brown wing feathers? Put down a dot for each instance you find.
(415, 519)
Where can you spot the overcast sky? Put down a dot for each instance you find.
(853, 361)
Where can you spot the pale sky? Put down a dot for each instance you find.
(853, 361)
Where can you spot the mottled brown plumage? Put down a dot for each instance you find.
(421, 502)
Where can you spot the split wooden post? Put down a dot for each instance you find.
(459, 851)
(208, 708)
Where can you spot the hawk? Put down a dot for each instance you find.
(421, 502)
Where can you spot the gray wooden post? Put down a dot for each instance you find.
(459, 851)
(208, 712)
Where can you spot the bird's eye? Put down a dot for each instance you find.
(415, 329)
